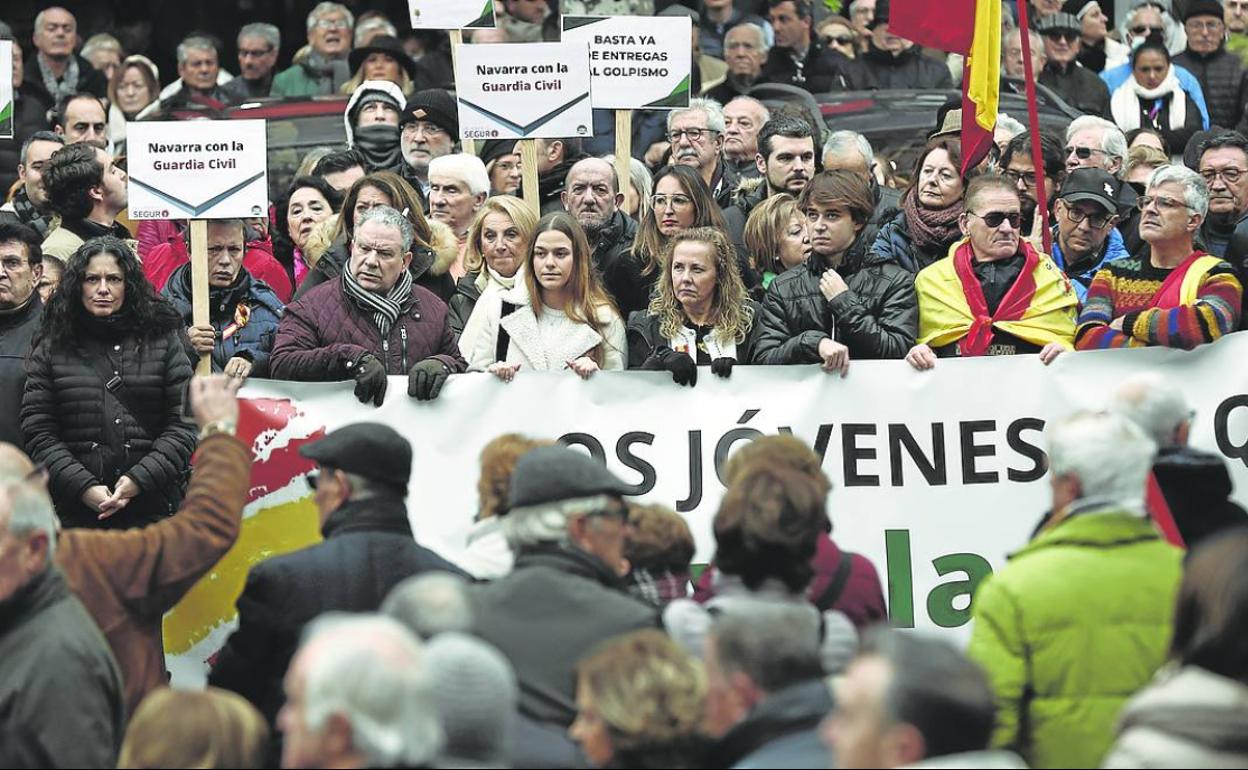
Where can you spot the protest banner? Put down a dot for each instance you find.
(635, 63)
(450, 14)
(522, 91)
(937, 475)
(197, 170)
(6, 89)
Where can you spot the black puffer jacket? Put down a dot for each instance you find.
(85, 436)
(620, 273)
(910, 69)
(644, 337)
(877, 318)
(1221, 78)
(17, 329)
(1079, 87)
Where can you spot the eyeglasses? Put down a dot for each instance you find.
(839, 40)
(1204, 26)
(994, 218)
(1095, 222)
(695, 134)
(1026, 177)
(1229, 175)
(1068, 35)
(429, 129)
(677, 201)
(253, 53)
(332, 24)
(1144, 201)
(1142, 30)
(1083, 153)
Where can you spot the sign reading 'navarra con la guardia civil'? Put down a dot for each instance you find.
(198, 169)
(635, 62)
(523, 90)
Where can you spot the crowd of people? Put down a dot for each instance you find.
(750, 231)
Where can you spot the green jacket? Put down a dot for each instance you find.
(295, 80)
(1075, 624)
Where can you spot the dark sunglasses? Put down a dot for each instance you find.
(313, 478)
(838, 39)
(1083, 153)
(1142, 30)
(1069, 36)
(994, 218)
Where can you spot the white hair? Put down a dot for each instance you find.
(266, 32)
(1195, 191)
(195, 43)
(1009, 124)
(757, 30)
(467, 168)
(371, 671)
(840, 142)
(757, 103)
(1113, 141)
(372, 24)
(713, 110)
(1108, 453)
(325, 7)
(547, 523)
(30, 509)
(639, 177)
(1152, 402)
(430, 604)
(389, 217)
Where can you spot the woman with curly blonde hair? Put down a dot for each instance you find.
(701, 312)
(639, 701)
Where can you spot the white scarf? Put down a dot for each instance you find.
(1125, 103)
(686, 341)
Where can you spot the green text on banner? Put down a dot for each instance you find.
(6, 89)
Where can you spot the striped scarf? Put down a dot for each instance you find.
(385, 308)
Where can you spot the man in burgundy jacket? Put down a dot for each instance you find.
(371, 321)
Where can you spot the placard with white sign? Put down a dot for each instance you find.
(635, 62)
(197, 169)
(6, 89)
(523, 90)
(451, 14)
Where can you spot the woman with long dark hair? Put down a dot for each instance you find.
(310, 201)
(103, 400)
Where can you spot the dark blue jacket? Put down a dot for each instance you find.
(1113, 248)
(254, 340)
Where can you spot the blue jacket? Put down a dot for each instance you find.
(1112, 249)
(1187, 81)
(254, 340)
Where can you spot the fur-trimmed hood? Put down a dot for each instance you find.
(749, 192)
(319, 240)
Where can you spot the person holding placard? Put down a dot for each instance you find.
(557, 318)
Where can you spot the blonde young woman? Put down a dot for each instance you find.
(497, 243)
(557, 317)
(700, 313)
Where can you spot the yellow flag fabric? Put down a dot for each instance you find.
(984, 63)
(1195, 275)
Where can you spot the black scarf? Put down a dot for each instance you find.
(385, 308)
(379, 144)
(29, 214)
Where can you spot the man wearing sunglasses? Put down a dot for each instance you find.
(1084, 238)
(1220, 72)
(1167, 294)
(1078, 87)
(994, 295)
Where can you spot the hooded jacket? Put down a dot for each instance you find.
(430, 267)
(378, 143)
(1197, 488)
(253, 339)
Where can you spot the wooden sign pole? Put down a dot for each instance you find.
(199, 285)
(528, 166)
(624, 154)
(457, 39)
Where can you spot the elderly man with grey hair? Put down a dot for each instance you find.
(745, 52)
(60, 688)
(55, 71)
(258, 47)
(431, 604)
(696, 138)
(1080, 617)
(1192, 486)
(359, 693)
(371, 321)
(566, 526)
(325, 69)
(1170, 294)
(850, 151)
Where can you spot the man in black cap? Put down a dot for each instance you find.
(1085, 238)
(429, 129)
(566, 525)
(359, 486)
(1219, 72)
(1079, 87)
(894, 62)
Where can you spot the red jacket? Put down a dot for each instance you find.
(164, 258)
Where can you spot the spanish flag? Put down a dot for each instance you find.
(971, 28)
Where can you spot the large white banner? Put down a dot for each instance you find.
(937, 475)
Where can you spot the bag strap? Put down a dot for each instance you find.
(504, 339)
(114, 384)
(829, 596)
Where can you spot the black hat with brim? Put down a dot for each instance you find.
(383, 44)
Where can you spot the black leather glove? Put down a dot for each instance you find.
(684, 370)
(722, 367)
(425, 380)
(370, 379)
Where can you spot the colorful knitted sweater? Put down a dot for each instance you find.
(1125, 289)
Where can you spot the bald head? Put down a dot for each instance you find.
(591, 194)
(594, 166)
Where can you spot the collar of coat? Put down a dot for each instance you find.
(41, 592)
(373, 514)
(569, 559)
(794, 709)
(521, 325)
(1096, 524)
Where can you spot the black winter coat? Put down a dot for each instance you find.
(1221, 78)
(620, 273)
(254, 340)
(822, 71)
(16, 332)
(1197, 487)
(644, 337)
(368, 549)
(877, 318)
(910, 70)
(87, 435)
(894, 244)
(459, 309)
(780, 731)
(1079, 87)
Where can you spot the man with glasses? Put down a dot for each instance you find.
(21, 314)
(994, 295)
(696, 137)
(429, 128)
(360, 487)
(1084, 238)
(861, 13)
(326, 68)
(1219, 72)
(1224, 166)
(1021, 170)
(1097, 143)
(1167, 294)
(258, 46)
(1078, 87)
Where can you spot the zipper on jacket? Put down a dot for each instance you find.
(403, 353)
